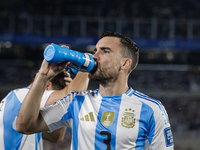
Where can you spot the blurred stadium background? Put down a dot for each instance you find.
(166, 32)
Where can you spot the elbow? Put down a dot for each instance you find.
(23, 129)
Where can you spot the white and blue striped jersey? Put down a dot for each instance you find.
(128, 121)
(10, 139)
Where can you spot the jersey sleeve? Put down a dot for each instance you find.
(53, 114)
(160, 135)
(45, 97)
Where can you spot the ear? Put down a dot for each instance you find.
(49, 86)
(126, 63)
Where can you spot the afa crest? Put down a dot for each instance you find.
(107, 118)
(128, 119)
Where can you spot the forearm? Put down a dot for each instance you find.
(79, 83)
(29, 112)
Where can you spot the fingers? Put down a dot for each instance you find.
(88, 53)
(65, 46)
(67, 77)
(68, 80)
(53, 68)
(64, 64)
(67, 74)
(44, 67)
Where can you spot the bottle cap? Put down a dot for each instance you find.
(49, 54)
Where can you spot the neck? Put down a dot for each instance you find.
(117, 87)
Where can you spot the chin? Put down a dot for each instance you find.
(93, 73)
(91, 76)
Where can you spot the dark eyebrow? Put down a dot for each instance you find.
(105, 48)
(102, 48)
(95, 49)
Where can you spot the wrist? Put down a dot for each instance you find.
(42, 78)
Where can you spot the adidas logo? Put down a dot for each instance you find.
(88, 117)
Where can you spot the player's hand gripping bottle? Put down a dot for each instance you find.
(79, 61)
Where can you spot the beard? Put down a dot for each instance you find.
(104, 75)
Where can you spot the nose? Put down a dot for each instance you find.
(96, 56)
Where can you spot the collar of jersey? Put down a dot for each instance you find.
(117, 96)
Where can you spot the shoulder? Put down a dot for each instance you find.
(155, 105)
(20, 93)
(45, 98)
(151, 102)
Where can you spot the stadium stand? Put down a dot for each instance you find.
(168, 70)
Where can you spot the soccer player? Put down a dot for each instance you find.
(112, 117)
(10, 139)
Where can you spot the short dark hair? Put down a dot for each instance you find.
(58, 81)
(130, 48)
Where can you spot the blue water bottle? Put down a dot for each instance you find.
(79, 61)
